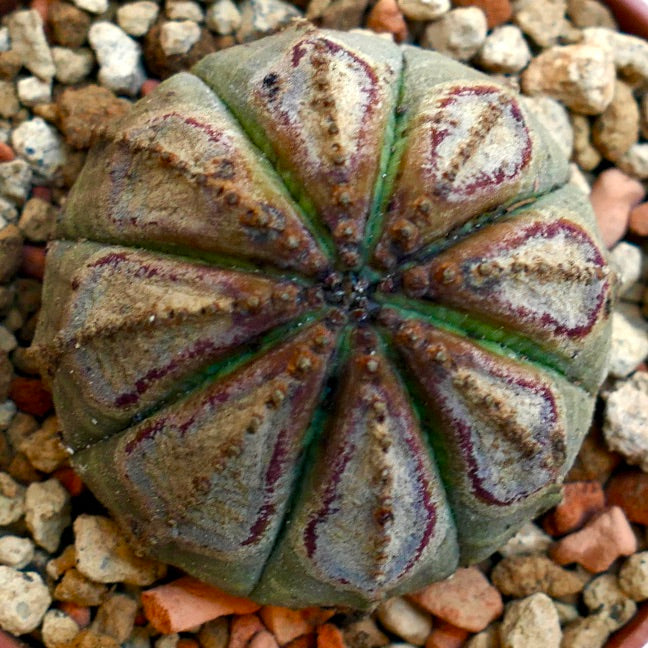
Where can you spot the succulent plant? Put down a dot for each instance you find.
(324, 320)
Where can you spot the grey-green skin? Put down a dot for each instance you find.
(324, 321)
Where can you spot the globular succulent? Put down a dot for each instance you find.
(324, 319)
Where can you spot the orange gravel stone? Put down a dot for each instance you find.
(9, 641)
(581, 500)
(69, 480)
(33, 261)
(629, 490)
(386, 17)
(330, 636)
(263, 639)
(497, 11)
(305, 641)
(606, 537)
(317, 616)
(466, 599)
(188, 602)
(639, 220)
(446, 635)
(79, 613)
(242, 629)
(634, 634)
(6, 152)
(30, 396)
(148, 86)
(284, 623)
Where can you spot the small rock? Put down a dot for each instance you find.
(424, 9)
(633, 576)
(337, 14)
(584, 153)
(90, 639)
(446, 635)
(104, 556)
(627, 260)
(24, 598)
(567, 612)
(602, 540)
(590, 632)
(7, 339)
(541, 20)
(363, 633)
(184, 10)
(8, 211)
(629, 53)
(29, 42)
(635, 161)
(617, 128)
(80, 590)
(530, 539)
(12, 500)
(136, 18)
(15, 179)
(460, 33)
(629, 345)
(119, 58)
(405, 620)
(9, 105)
(520, 576)
(72, 66)
(555, 119)
(531, 622)
(16, 552)
(613, 195)
(44, 448)
(581, 500)
(465, 599)
(497, 11)
(47, 512)
(261, 17)
(626, 418)
(56, 567)
(634, 634)
(605, 598)
(69, 24)
(92, 6)
(7, 413)
(37, 220)
(386, 17)
(638, 223)
(505, 51)
(58, 629)
(32, 91)
(179, 37)
(580, 76)
(116, 617)
(84, 112)
(590, 13)
(10, 64)
(41, 145)
(5, 41)
(488, 638)
(223, 17)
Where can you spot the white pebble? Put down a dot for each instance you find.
(136, 18)
(47, 512)
(16, 552)
(12, 499)
(633, 576)
(119, 57)
(505, 50)
(41, 145)
(178, 37)
(405, 620)
(7, 412)
(223, 17)
(58, 629)
(5, 41)
(184, 10)
(93, 6)
(28, 40)
(72, 66)
(460, 33)
(530, 539)
(32, 91)
(626, 420)
(424, 9)
(531, 622)
(24, 598)
(15, 180)
(8, 211)
(629, 345)
(626, 259)
(635, 161)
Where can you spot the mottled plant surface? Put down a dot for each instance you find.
(324, 320)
